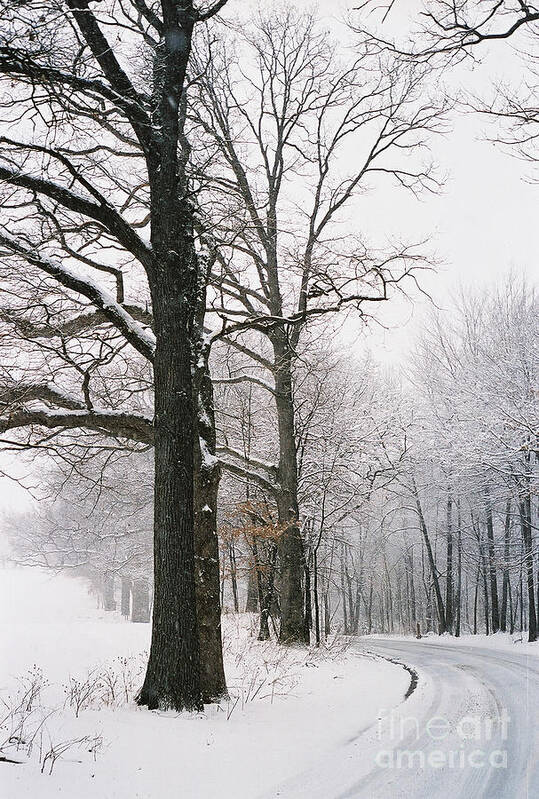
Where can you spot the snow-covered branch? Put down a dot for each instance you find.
(139, 337)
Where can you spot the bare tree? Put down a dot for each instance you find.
(455, 28)
(447, 32)
(273, 183)
(72, 212)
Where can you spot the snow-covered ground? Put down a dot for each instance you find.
(288, 708)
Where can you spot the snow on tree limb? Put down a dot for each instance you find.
(101, 212)
(140, 338)
(114, 423)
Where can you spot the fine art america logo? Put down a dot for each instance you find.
(472, 742)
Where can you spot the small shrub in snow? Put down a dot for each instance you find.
(82, 693)
(56, 749)
(23, 720)
(112, 685)
(264, 670)
(22, 716)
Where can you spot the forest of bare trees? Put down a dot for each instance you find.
(416, 489)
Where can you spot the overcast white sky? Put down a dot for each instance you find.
(484, 223)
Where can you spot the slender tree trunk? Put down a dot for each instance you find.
(109, 601)
(308, 596)
(506, 557)
(140, 612)
(413, 604)
(233, 576)
(315, 597)
(293, 628)
(350, 597)
(449, 566)
(476, 599)
(267, 601)
(521, 592)
(511, 615)
(125, 601)
(369, 612)
(434, 573)
(343, 590)
(485, 589)
(327, 614)
(466, 602)
(357, 606)
(526, 525)
(492, 564)
(458, 598)
(258, 572)
(389, 596)
(251, 605)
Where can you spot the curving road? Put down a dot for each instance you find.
(469, 730)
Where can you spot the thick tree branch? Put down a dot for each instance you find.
(101, 212)
(116, 424)
(18, 63)
(141, 339)
(113, 72)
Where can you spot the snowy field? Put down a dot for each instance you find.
(287, 709)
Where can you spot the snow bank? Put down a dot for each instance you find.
(288, 707)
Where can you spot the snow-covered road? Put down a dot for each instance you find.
(469, 729)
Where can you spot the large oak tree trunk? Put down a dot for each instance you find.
(173, 675)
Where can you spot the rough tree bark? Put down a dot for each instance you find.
(173, 674)
(207, 477)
